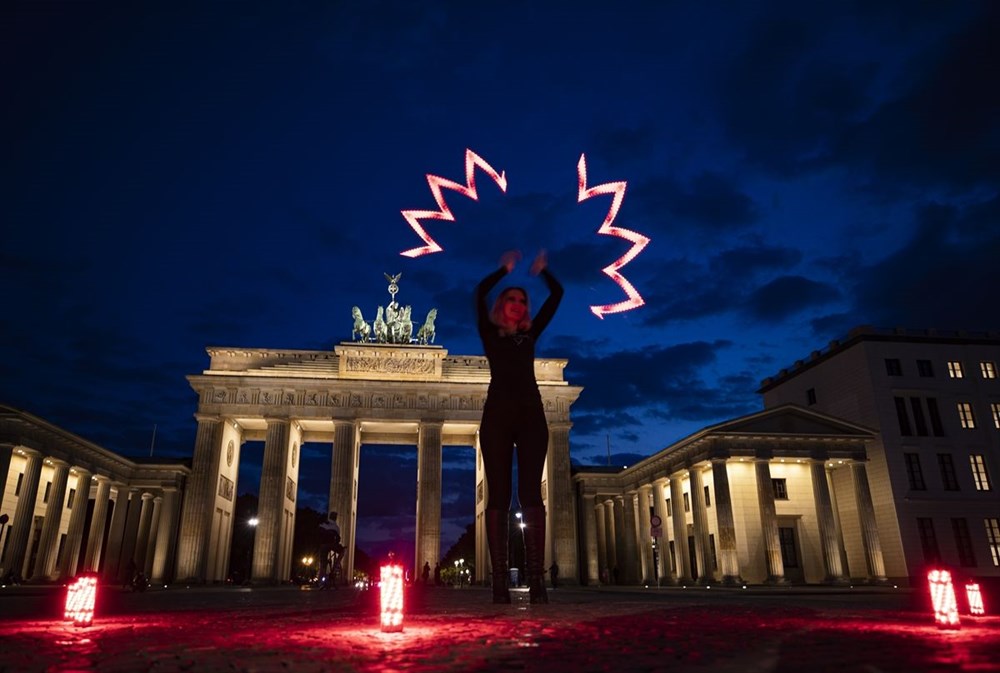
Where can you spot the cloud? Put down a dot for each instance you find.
(788, 295)
(943, 277)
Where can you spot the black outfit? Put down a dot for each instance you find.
(513, 417)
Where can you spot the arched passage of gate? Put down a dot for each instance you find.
(359, 393)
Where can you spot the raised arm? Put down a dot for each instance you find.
(482, 291)
(548, 309)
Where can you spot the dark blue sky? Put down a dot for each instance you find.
(232, 174)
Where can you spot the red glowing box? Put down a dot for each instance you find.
(80, 598)
(975, 597)
(391, 594)
(943, 598)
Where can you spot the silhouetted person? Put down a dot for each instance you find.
(554, 574)
(514, 420)
(437, 574)
(426, 574)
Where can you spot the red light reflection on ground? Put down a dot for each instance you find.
(548, 640)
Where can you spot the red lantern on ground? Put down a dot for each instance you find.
(80, 598)
(943, 599)
(975, 597)
(391, 594)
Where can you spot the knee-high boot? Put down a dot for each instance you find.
(496, 536)
(534, 553)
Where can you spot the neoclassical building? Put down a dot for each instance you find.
(778, 496)
(357, 394)
(73, 506)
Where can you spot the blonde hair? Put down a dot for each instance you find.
(496, 314)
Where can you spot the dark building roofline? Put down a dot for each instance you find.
(869, 333)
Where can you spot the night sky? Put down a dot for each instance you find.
(232, 174)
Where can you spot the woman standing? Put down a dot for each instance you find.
(513, 418)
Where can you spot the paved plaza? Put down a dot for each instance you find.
(582, 630)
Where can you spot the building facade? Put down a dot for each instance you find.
(934, 399)
(780, 496)
(73, 506)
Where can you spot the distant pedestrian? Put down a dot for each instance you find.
(437, 574)
(427, 572)
(554, 574)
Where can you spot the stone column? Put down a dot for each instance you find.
(165, 537)
(154, 524)
(142, 534)
(428, 547)
(729, 560)
(98, 524)
(559, 504)
(617, 520)
(20, 526)
(603, 564)
(869, 527)
(630, 571)
(590, 539)
(344, 486)
(769, 522)
(45, 559)
(113, 554)
(199, 499)
(829, 541)
(77, 517)
(680, 530)
(645, 539)
(660, 508)
(270, 508)
(699, 517)
(136, 504)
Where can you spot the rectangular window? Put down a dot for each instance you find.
(20, 478)
(687, 502)
(980, 475)
(914, 473)
(948, 477)
(892, 367)
(786, 537)
(989, 369)
(963, 541)
(780, 489)
(811, 396)
(965, 416)
(904, 420)
(993, 538)
(928, 540)
(918, 416)
(48, 487)
(670, 510)
(932, 411)
(69, 499)
(708, 498)
(925, 368)
(713, 552)
(995, 408)
(955, 369)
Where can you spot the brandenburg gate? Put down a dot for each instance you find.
(363, 392)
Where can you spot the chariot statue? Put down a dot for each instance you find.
(393, 322)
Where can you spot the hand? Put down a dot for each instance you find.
(541, 261)
(509, 259)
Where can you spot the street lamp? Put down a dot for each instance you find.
(252, 523)
(524, 551)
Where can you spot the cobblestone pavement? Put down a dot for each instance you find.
(581, 630)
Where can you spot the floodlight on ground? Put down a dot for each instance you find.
(80, 598)
(975, 597)
(391, 595)
(943, 599)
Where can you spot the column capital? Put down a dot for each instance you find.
(146, 495)
(205, 418)
(26, 451)
(277, 419)
(57, 462)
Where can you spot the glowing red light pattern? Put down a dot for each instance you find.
(80, 598)
(443, 212)
(391, 594)
(975, 597)
(943, 598)
(639, 241)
